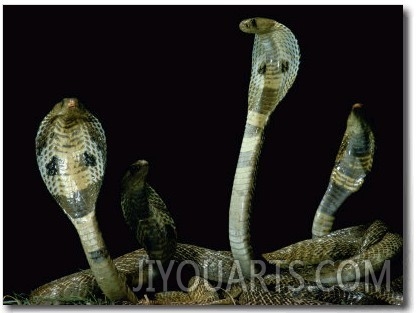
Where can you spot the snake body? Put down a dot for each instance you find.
(71, 154)
(345, 244)
(147, 215)
(275, 64)
(353, 162)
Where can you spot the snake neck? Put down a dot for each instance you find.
(242, 193)
(111, 282)
(149, 219)
(135, 206)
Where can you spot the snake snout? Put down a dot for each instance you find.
(246, 25)
(357, 119)
(70, 107)
(71, 102)
(358, 110)
(141, 163)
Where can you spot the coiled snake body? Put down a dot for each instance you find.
(71, 155)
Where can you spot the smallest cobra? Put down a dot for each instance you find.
(71, 156)
(147, 215)
(353, 162)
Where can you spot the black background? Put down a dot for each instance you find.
(169, 85)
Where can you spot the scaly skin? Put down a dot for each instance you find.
(71, 156)
(275, 63)
(76, 191)
(147, 216)
(353, 162)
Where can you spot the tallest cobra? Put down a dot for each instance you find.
(275, 62)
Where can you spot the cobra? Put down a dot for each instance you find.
(352, 164)
(274, 68)
(71, 154)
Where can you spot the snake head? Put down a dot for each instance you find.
(136, 175)
(356, 120)
(257, 25)
(69, 107)
(358, 138)
(139, 168)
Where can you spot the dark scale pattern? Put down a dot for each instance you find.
(99, 255)
(262, 69)
(52, 167)
(147, 215)
(284, 66)
(89, 159)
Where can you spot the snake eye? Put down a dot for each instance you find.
(253, 22)
(133, 169)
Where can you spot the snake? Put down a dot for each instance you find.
(71, 156)
(353, 162)
(275, 63)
